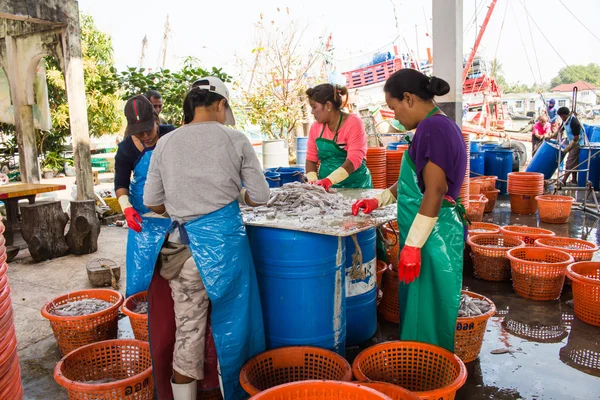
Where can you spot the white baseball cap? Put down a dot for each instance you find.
(215, 85)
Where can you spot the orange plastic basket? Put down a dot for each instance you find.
(523, 204)
(554, 209)
(586, 291)
(488, 253)
(528, 234)
(492, 197)
(321, 390)
(470, 331)
(476, 208)
(381, 268)
(391, 236)
(429, 371)
(581, 250)
(390, 305)
(489, 182)
(394, 392)
(74, 332)
(475, 186)
(139, 322)
(126, 362)
(538, 273)
(292, 364)
(483, 228)
(12, 383)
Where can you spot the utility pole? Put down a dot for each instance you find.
(417, 39)
(143, 55)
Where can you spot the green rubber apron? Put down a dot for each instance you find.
(429, 305)
(332, 156)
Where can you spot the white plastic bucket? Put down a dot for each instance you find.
(257, 145)
(274, 154)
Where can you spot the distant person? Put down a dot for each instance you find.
(575, 139)
(156, 99)
(552, 112)
(540, 130)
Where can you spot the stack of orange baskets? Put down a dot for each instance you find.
(465, 187)
(10, 372)
(394, 161)
(554, 209)
(139, 322)
(428, 371)
(476, 207)
(376, 162)
(528, 234)
(538, 273)
(586, 291)
(470, 331)
(523, 187)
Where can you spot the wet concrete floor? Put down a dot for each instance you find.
(554, 356)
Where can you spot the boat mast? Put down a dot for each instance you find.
(478, 40)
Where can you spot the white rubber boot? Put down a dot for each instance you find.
(185, 391)
(220, 379)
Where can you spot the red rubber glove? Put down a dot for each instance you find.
(366, 205)
(409, 266)
(324, 183)
(133, 219)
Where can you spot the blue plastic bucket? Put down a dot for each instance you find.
(545, 159)
(595, 133)
(475, 146)
(302, 287)
(273, 179)
(394, 145)
(361, 290)
(301, 146)
(594, 173)
(477, 163)
(288, 174)
(499, 163)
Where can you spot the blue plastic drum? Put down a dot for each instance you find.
(475, 146)
(499, 163)
(595, 133)
(477, 163)
(594, 172)
(301, 146)
(545, 160)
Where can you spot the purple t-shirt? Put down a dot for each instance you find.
(439, 140)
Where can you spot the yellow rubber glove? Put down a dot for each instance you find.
(339, 175)
(312, 177)
(385, 198)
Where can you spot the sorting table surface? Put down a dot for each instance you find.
(14, 190)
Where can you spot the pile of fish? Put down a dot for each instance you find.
(81, 307)
(470, 307)
(141, 308)
(306, 201)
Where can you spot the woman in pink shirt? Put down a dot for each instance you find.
(540, 129)
(337, 140)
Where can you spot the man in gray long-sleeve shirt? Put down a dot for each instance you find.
(198, 170)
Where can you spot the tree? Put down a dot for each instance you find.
(173, 86)
(280, 73)
(588, 73)
(103, 107)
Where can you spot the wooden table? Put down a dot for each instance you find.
(11, 194)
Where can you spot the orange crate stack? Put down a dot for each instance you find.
(523, 187)
(464, 189)
(376, 163)
(394, 161)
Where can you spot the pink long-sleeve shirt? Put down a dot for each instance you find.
(541, 129)
(351, 137)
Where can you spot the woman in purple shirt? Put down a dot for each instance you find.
(430, 216)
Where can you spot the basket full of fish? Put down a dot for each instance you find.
(473, 314)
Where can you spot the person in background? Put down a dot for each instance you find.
(430, 217)
(196, 176)
(553, 115)
(574, 140)
(131, 168)
(540, 130)
(336, 139)
(156, 99)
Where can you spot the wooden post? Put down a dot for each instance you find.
(82, 237)
(43, 228)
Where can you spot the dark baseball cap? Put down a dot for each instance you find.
(140, 115)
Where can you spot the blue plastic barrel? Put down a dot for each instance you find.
(361, 289)
(475, 146)
(594, 173)
(488, 146)
(595, 135)
(545, 159)
(273, 179)
(302, 287)
(499, 163)
(301, 146)
(394, 145)
(288, 174)
(477, 163)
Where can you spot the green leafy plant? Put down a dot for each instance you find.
(53, 161)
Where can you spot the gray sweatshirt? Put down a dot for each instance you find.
(199, 168)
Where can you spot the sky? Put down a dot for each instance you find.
(221, 32)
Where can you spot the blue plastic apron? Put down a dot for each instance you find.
(142, 247)
(220, 248)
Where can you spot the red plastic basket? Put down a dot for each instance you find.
(321, 390)
(139, 322)
(74, 332)
(429, 371)
(476, 208)
(470, 331)
(394, 392)
(381, 268)
(492, 196)
(126, 362)
(528, 234)
(538, 273)
(586, 291)
(554, 209)
(292, 364)
(488, 252)
(390, 306)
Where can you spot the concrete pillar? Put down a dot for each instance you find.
(75, 87)
(448, 53)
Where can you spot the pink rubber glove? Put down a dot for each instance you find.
(366, 205)
(409, 266)
(133, 219)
